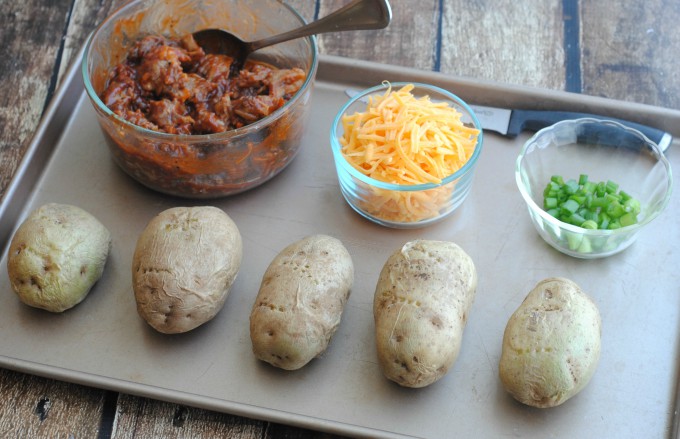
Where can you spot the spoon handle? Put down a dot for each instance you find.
(356, 15)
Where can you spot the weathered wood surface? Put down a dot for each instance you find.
(630, 51)
(624, 50)
(37, 407)
(141, 417)
(522, 45)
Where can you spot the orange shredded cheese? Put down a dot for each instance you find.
(402, 139)
(405, 140)
(406, 207)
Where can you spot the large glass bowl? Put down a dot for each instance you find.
(207, 165)
(602, 150)
(396, 205)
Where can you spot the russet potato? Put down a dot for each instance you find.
(551, 344)
(184, 264)
(300, 301)
(421, 305)
(56, 255)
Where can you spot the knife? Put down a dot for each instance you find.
(510, 123)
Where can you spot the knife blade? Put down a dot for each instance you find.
(510, 123)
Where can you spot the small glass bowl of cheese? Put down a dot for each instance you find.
(405, 153)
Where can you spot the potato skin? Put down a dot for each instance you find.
(184, 264)
(300, 302)
(421, 304)
(56, 255)
(551, 344)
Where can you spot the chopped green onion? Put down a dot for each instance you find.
(580, 199)
(615, 209)
(574, 240)
(590, 205)
(611, 187)
(632, 205)
(585, 246)
(557, 179)
(570, 206)
(571, 186)
(604, 224)
(627, 219)
(589, 224)
(576, 219)
(599, 202)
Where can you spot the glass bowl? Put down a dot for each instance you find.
(604, 151)
(400, 205)
(204, 165)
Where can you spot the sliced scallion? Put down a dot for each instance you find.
(588, 204)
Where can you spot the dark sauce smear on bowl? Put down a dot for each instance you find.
(173, 86)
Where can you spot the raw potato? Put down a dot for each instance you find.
(551, 344)
(421, 304)
(184, 264)
(300, 302)
(56, 256)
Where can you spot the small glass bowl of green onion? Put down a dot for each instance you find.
(591, 185)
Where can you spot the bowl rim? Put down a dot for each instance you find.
(196, 138)
(545, 216)
(347, 167)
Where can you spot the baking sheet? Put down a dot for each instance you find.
(103, 343)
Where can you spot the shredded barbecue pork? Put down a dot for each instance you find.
(173, 86)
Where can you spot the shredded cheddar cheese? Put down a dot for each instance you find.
(406, 207)
(405, 140)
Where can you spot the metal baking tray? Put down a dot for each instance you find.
(104, 343)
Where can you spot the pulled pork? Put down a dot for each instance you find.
(173, 86)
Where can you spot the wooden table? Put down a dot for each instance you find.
(627, 51)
